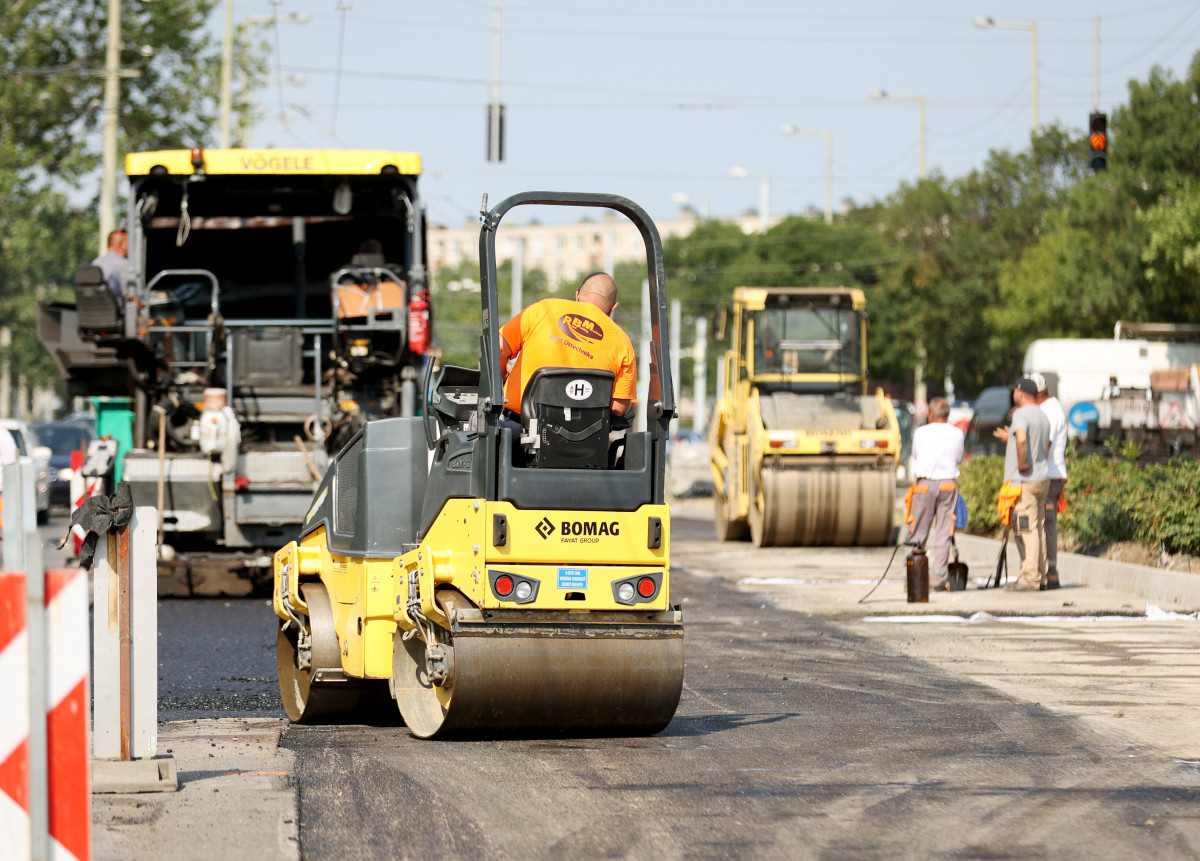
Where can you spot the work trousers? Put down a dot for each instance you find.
(1052, 497)
(1029, 528)
(935, 502)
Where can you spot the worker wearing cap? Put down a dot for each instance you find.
(937, 450)
(1026, 464)
(1057, 416)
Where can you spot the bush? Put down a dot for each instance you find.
(1099, 500)
(1166, 509)
(1109, 498)
(979, 482)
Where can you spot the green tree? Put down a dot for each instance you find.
(52, 58)
(949, 241)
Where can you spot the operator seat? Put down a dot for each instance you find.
(99, 310)
(565, 418)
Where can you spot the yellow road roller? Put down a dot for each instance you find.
(492, 576)
(801, 453)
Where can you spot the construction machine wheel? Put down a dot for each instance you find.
(726, 529)
(524, 675)
(320, 690)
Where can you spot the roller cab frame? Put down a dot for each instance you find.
(487, 579)
(801, 452)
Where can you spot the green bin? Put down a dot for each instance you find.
(114, 419)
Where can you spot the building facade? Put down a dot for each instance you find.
(565, 252)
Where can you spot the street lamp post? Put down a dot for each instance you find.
(920, 100)
(226, 106)
(789, 129)
(988, 23)
(764, 196)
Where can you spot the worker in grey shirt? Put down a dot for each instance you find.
(1026, 463)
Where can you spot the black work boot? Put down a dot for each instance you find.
(1052, 581)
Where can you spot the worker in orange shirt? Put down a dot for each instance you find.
(566, 333)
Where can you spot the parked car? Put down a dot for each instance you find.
(28, 445)
(904, 416)
(992, 409)
(62, 438)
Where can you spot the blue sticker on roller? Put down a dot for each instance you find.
(572, 578)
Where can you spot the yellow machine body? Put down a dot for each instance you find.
(574, 558)
(801, 453)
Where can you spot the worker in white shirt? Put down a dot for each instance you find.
(1054, 411)
(937, 450)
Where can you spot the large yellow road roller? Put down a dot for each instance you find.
(801, 453)
(489, 577)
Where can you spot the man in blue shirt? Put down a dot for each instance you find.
(114, 262)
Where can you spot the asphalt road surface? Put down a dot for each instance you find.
(797, 736)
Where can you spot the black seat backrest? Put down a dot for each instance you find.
(98, 309)
(566, 410)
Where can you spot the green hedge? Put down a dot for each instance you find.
(1110, 498)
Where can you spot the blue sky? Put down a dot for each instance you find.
(659, 102)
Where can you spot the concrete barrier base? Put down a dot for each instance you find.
(135, 775)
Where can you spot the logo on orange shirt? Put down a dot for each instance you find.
(580, 328)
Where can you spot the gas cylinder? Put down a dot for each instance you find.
(418, 324)
(917, 567)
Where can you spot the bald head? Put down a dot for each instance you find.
(939, 410)
(598, 289)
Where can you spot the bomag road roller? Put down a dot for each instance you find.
(487, 576)
(801, 453)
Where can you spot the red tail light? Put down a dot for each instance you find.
(503, 585)
(646, 587)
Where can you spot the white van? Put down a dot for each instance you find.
(1079, 370)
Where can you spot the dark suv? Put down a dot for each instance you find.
(992, 409)
(62, 438)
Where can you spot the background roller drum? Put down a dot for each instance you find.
(813, 507)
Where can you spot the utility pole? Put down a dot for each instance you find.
(700, 376)
(226, 78)
(112, 93)
(495, 148)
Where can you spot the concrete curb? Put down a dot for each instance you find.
(1168, 589)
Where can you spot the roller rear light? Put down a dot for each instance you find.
(513, 588)
(639, 589)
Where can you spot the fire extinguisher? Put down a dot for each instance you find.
(418, 323)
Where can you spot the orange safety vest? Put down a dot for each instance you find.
(1009, 494)
(908, 498)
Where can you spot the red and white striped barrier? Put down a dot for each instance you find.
(66, 686)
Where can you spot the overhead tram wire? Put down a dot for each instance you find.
(342, 7)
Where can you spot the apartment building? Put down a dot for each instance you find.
(565, 252)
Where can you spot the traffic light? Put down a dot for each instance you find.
(1098, 141)
(495, 133)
